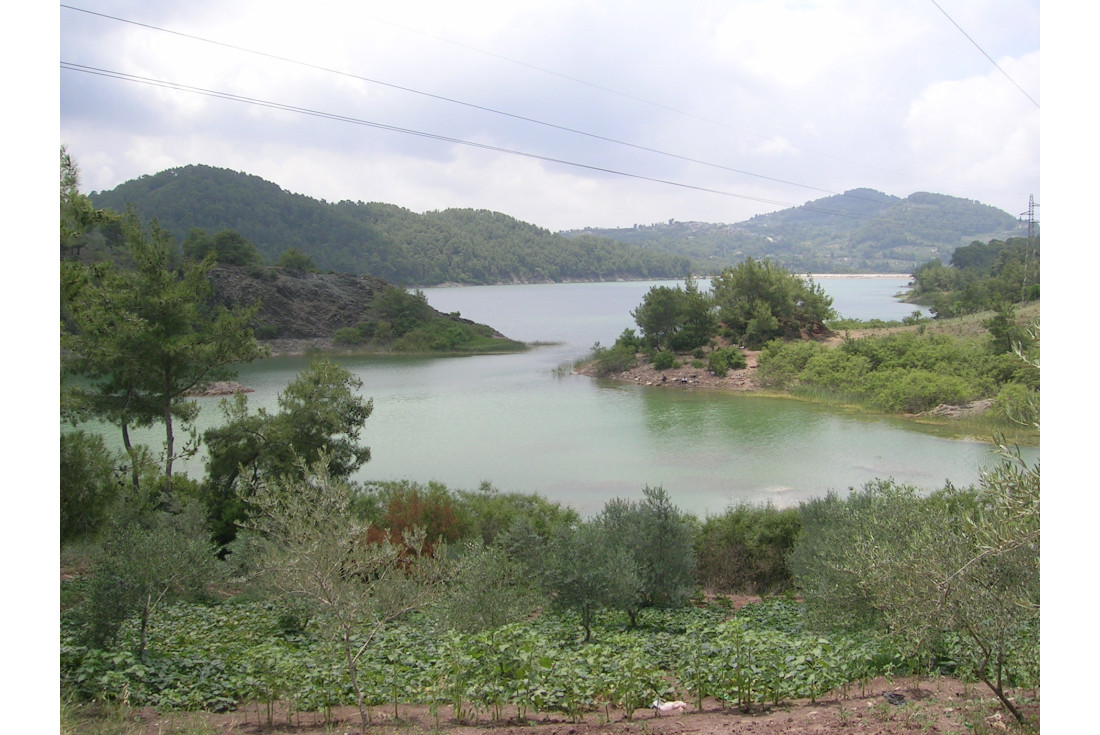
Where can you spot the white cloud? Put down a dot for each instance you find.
(829, 95)
(979, 132)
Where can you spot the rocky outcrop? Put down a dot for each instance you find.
(221, 388)
(300, 312)
(293, 304)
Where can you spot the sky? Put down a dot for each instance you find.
(563, 113)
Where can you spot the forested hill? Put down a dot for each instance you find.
(382, 240)
(861, 230)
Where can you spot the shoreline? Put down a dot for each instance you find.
(815, 276)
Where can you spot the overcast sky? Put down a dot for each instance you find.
(564, 113)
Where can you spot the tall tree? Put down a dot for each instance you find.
(759, 301)
(78, 215)
(677, 318)
(321, 414)
(144, 338)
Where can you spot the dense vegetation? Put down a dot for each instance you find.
(404, 322)
(747, 305)
(906, 372)
(759, 305)
(860, 231)
(981, 276)
(383, 240)
(276, 578)
(949, 585)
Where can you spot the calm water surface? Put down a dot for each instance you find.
(511, 420)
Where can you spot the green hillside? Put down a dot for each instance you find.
(861, 230)
(382, 240)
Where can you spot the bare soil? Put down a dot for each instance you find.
(926, 706)
(687, 377)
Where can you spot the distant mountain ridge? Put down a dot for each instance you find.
(861, 230)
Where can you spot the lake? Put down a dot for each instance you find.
(517, 423)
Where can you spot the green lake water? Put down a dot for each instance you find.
(516, 422)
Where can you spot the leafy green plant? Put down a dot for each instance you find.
(665, 360)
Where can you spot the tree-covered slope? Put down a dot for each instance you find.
(861, 230)
(382, 240)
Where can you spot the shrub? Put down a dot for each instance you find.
(349, 336)
(608, 361)
(836, 370)
(780, 363)
(745, 549)
(89, 483)
(665, 360)
(1016, 402)
(721, 361)
(913, 391)
(295, 260)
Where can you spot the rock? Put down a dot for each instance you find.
(221, 388)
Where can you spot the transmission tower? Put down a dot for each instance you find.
(1032, 225)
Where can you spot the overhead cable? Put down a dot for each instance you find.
(419, 133)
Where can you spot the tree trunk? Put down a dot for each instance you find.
(135, 476)
(169, 450)
(353, 674)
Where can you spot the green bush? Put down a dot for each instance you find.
(1016, 402)
(780, 363)
(913, 391)
(723, 360)
(745, 549)
(349, 336)
(836, 370)
(608, 361)
(295, 260)
(89, 483)
(665, 360)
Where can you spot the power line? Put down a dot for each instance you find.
(451, 100)
(123, 76)
(991, 61)
(610, 90)
(409, 131)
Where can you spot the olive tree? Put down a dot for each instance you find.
(311, 548)
(144, 560)
(583, 570)
(659, 539)
(956, 561)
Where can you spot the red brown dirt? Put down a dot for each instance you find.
(939, 705)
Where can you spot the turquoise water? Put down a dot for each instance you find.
(515, 422)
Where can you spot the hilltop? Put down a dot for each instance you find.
(461, 246)
(860, 231)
